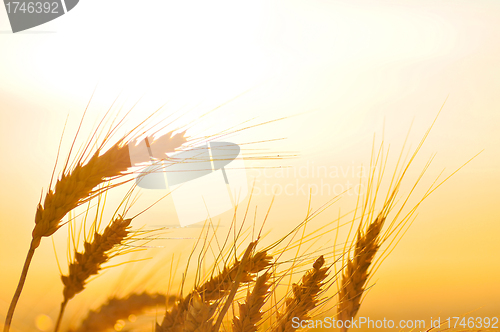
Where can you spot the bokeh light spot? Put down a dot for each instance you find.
(119, 325)
(43, 322)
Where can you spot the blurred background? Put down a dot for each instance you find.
(336, 72)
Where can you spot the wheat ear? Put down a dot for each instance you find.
(220, 285)
(119, 308)
(215, 288)
(71, 190)
(199, 315)
(304, 298)
(356, 273)
(250, 311)
(91, 260)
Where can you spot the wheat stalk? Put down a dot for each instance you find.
(304, 297)
(356, 274)
(235, 286)
(76, 187)
(119, 308)
(215, 288)
(220, 285)
(249, 311)
(91, 260)
(199, 315)
(71, 190)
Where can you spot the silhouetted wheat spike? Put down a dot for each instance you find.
(355, 273)
(249, 311)
(199, 315)
(91, 260)
(71, 190)
(120, 308)
(215, 289)
(220, 285)
(304, 298)
(76, 187)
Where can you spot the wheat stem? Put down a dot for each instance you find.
(19, 288)
(71, 190)
(215, 288)
(61, 313)
(236, 284)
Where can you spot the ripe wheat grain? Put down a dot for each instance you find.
(304, 297)
(250, 311)
(91, 260)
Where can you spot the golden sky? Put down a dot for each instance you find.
(339, 71)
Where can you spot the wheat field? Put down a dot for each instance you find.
(367, 180)
(236, 281)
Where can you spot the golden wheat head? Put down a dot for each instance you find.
(356, 274)
(304, 297)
